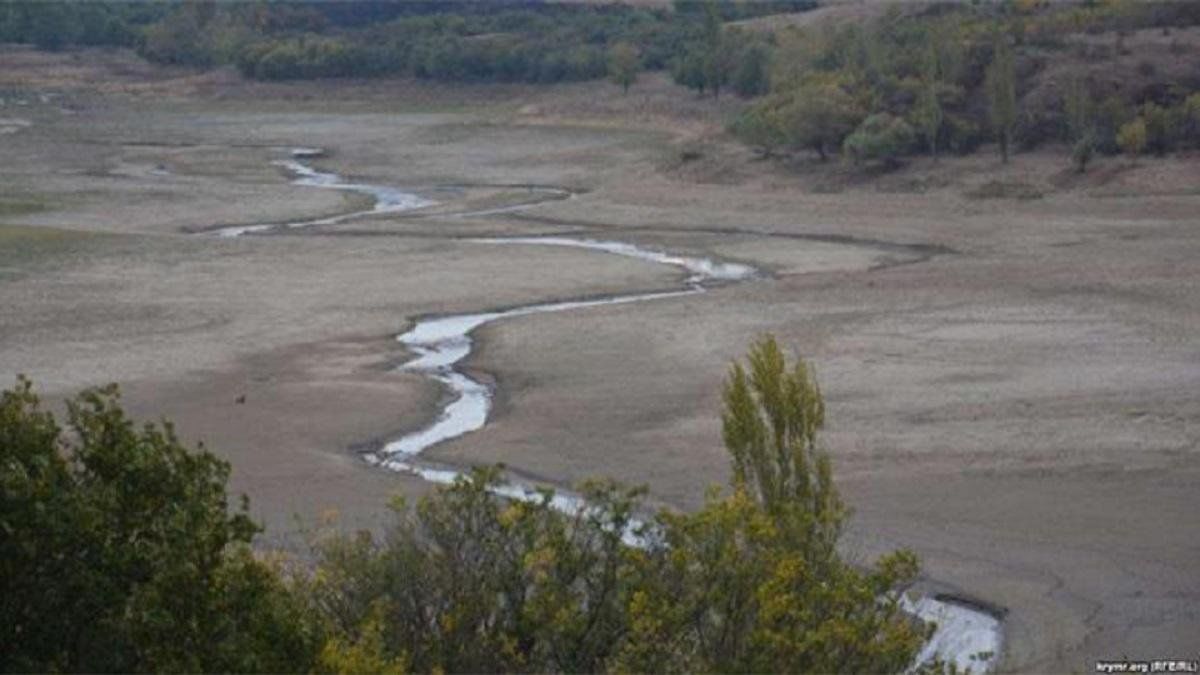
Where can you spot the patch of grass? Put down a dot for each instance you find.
(23, 235)
(997, 189)
(23, 247)
(19, 206)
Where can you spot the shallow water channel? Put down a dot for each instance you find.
(965, 636)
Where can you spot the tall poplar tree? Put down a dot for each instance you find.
(1002, 94)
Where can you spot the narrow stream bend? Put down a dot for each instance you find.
(387, 199)
(968, 637)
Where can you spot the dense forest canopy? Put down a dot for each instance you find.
(1101, 76)
(521, 40)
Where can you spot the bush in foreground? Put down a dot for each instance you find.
(751, 582)
(118, 552)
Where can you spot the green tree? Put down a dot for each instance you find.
(880, 136)
(718, 51)
(623, 65)
(118, 551)
(364, 655)
(470, 581)
(751, 76)
(819, 116)
(760, 128)
(753, 581)
(180, 38)
(1132, 138)
(688, 70)
(928, 112)
(1002, 94)
(52, 25)
(769, 424)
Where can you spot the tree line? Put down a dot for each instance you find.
(120, 551)
(517, 40)
(718, 56)
(955, 77)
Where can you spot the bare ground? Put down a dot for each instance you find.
(1012, 382)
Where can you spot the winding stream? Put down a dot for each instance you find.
(965, 636)
(387, 199)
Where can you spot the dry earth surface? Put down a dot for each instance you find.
(1010, 354)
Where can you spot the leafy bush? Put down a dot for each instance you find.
(819, 116)
(882, 137)
(760, 128)
(623, 65)
(1132, 138)
(751, 73)
(118, 551)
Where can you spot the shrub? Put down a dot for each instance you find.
(1132, 138)
(688, 70)
(119, 551)
(179, 39)
(751, 74)
(759, 127)
(818, 117)
(623, 65)
(882, 137)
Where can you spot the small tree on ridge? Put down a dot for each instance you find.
(623, 65)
